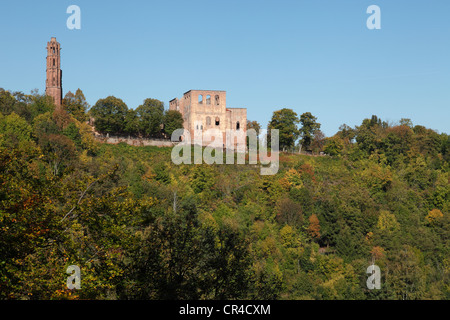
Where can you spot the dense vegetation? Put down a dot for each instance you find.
(140, 227)
(112, 116)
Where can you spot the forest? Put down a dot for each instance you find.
(140, 227)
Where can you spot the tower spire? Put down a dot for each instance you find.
(53, 86)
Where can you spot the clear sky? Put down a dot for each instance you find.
(308, 55)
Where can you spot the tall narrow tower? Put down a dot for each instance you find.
(53, 86)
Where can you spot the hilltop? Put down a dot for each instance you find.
(141, 227)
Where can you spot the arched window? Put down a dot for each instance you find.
(238, 126)
(208, 121)
(208, 99)
(53, 62)
(217, 121)
(217, 100)
(200, 99)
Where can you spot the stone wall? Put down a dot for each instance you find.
(138, 142)
(207, 109)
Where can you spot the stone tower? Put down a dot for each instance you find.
(53, 86)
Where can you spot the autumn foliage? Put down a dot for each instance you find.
(141, 227)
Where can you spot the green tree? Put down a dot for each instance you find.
(346, 133)
(285, 120)
(180, 258)
(76, 105)
(109, 115)
(73, 133)
(26, 220)
(368, 134)
(254, 125)
(15, 129)
(309, 127)
(318, 142)
(173, 120)
(396, 143)
(40, 104)
(406, 122)
(426, 141)
(7, 102)
(406, 278)
(132, 123)
(202, 179)
(445, 146)
(333, 146)
(43, 124)
(59, 150)
(151, 116)
(289, 212)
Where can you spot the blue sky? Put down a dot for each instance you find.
(308, 55)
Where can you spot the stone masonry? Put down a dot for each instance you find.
(53, 85)
(206, 109)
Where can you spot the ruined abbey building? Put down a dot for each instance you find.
(201, 109)
(53, 85)
(207, 109)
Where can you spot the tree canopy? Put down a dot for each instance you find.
(141, 227)
(285, 120)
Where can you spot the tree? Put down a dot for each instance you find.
(254, 125)
(445, 146)
(346, 133)
(406, 122)
(318, 141)
(109, 115)
(387, 221)
(151, 114)
(406, 277)
(59, 151)
(61, 118)
(21, 105)
(368, 134)
(314, 227)
(27, 220)
(40, 104)
(173, 120)
(289, 212)
(426, 141)
(180, 258)
(15, 128)
(309, 127)
(285, 120)
(202, 179)
(140, 228)
(132, 123)
(73, 133)
(76, 105)
(88, 141)
(43, 124)
(397, 142)
(333, 146)
(7, 102)
(434, 215)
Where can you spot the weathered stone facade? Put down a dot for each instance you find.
(53, 85)
(137, 142)
(206, 109)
